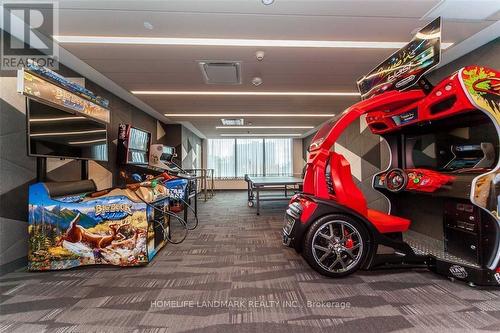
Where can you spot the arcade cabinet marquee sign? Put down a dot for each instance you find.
(407, 65)
(40, 83)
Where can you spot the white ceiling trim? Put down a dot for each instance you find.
(192, 128)
(243, 93)
(470, 44)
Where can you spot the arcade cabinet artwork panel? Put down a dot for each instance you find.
(483, 88)
(74, 230)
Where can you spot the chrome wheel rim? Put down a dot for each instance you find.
(337, 246)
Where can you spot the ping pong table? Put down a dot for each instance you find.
(281, 185)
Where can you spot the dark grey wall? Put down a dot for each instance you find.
(187, 145)
(17, 171)
(191, 150)
(173, 138)
(306, 142)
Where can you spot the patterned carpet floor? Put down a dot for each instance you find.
(233, 274)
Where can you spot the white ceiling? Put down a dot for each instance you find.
(156, 67)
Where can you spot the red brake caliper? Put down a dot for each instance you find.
(349, 243)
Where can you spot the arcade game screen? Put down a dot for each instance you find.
(167, 154)
(138, 146)
(454, 147)
(56, 133)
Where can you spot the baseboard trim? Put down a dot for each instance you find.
(229, 189)
(13, 265)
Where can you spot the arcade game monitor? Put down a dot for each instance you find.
(90, 143)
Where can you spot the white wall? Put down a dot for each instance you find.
(298, 160)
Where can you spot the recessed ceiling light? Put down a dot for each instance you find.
(243, 93)
(263, 134)
(263, 127)
(249, 115)
(148, 25)
(231, 42)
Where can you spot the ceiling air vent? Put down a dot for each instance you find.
(219, 72)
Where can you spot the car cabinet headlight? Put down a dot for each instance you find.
(288, 224)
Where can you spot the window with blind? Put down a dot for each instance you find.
(278, 157)
(249, 157)
(233, 158)
(221, 157)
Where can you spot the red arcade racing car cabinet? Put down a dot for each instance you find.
(442, 184)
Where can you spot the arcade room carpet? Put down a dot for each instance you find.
(233, 275)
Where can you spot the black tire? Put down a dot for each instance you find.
(310, 252)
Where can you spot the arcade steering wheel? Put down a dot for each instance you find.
(396, 180)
